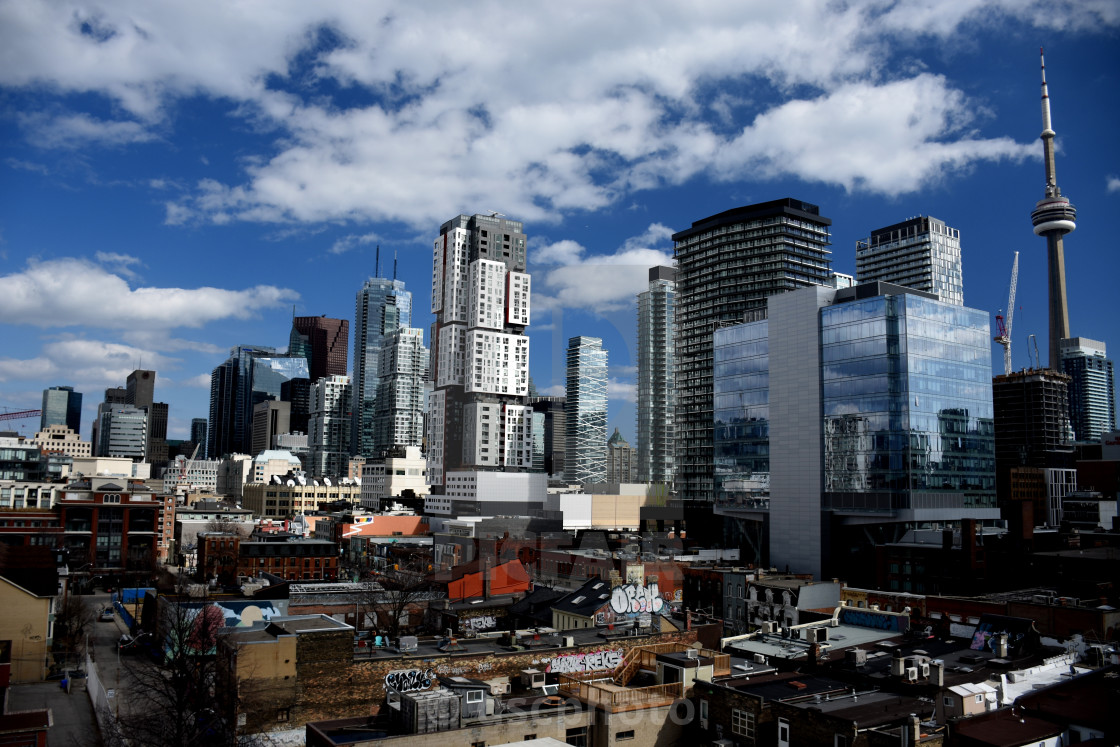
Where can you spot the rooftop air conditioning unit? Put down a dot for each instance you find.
(925, 669)
(822, 634)
(759, 659)
(692, 654)
(912, 674)
(569, 641)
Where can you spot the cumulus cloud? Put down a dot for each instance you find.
(200, 381)
(1113, 183)
(622, 391)
(593, 104)
(574, 279)
(75, 292)
(86, 363)
(896, 138)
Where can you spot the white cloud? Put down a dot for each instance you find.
(88, 364)
(556, 390)
(346, 243)
(74, 292)
(622, 391)
(591, 104)
(1113, 183)
(885, 138)
(200, 381)
(80, 130)
(598, 283)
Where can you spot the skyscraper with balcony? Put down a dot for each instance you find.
(656, 442)
(390, 365)
(727, 266)
(921, 253)
(329, 427)
(61, 406)
(1092, 392)
(479, 417)
(586, 409)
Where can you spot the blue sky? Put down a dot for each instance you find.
(176, 177)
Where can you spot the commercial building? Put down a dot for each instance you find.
(921, 253)
(328, 436)
(231, 407)
(287, 496)
(656, 443)
(123, 432)
(323, 342)
(479, 418)
(585, 454)
(61, 406)
(847, 417)
(270, 419)
(61, 439)
(1092, 391)
(727, 266)
(554, 432)
(402, 469)
(622, 460)
(198, 435)
(388, 373)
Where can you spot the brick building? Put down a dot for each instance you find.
(227, 557)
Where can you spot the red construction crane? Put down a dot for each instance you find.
(20, 414)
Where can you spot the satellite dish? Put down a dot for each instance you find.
(327, 481)
(291, 483)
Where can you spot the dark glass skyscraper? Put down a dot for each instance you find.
(323, 342)
(62, 406)
(727, 266)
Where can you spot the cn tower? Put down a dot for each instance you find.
(1053, 217)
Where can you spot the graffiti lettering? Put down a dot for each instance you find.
(482, 622)
(409, 680)
(870, 619)
(595, 661)
(632, 599)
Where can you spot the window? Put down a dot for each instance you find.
(623, 735)
(742, 723)
(783, 731)
(703, 709)
(474, 696)
(947, 702)
(840, 740)
(979, 698)
(283, 714)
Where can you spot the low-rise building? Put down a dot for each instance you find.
(227, 557)
(286, 496)
(58, 439)
(403, 468)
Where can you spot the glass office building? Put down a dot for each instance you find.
(586, 410)
(892, 425)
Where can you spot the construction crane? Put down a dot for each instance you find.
(20, 414)
(1004, 336)
(183, 487)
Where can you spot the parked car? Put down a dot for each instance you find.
(107, 615)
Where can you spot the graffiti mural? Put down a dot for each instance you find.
(595, 661)
(633, 599)
(482, 622)
(409, 680)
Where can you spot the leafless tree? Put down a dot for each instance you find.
(391, 604)
(71, 623)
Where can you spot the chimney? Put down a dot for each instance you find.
(914, 732)
(688, 619)
(898, 664)
(1001, 645)
(486, 578)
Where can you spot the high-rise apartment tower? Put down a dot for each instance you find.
(727, 266)
(586, 409)
(656, 442)
(921, 253)
(1092, 392)
(479, 417)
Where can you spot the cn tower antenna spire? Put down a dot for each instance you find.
(1053, 217)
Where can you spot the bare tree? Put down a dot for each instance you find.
(227, 524)
(71, 623)
(396, 601)
(169, 697)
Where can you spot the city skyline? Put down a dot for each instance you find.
(159, 210)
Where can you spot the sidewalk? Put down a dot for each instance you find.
(73, 715)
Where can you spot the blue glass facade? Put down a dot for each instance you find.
(906, 399)
(741, 404)
(906, 390)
